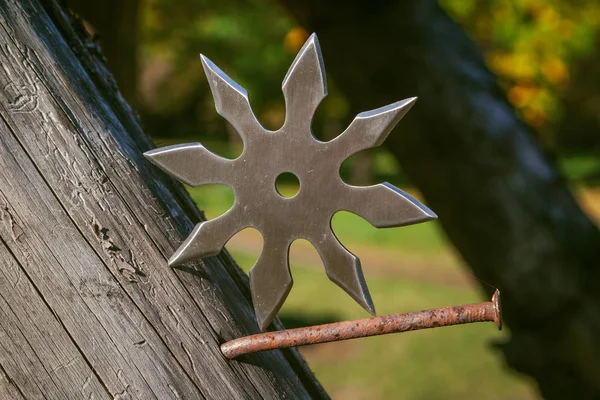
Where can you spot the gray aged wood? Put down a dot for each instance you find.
(27, 323)
(88, 307)
(8, 389)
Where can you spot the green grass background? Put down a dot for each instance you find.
(447, 363)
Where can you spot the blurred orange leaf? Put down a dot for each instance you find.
(294, 39)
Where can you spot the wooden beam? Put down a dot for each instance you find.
(96, 224)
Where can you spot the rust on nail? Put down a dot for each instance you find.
(412, 321)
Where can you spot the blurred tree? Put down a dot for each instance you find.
(533, 45)
(537, 47)
(579, 128)
(115, 25)
(499, 199)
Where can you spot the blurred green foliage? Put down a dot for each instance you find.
(532, 46)
(243, 38)
(254, 42)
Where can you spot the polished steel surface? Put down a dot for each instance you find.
(294, 149)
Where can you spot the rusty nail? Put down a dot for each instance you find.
(455, 315)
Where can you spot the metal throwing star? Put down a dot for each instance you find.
(294, 149)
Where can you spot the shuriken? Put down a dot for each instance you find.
(292, 148)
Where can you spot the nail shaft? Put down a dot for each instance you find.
(412, 321)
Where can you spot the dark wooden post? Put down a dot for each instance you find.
(88, 307)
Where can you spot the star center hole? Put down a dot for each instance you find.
(287, 185)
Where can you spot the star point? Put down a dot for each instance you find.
(323, 193)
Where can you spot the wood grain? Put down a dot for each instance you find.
(36, 364)
(91, 224)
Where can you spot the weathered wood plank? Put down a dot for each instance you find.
(75, 150)
(123, 245)
(235, 317)
(8, 389)
(110, 331)
(180, 208)
(105, 224)
(37, 366)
